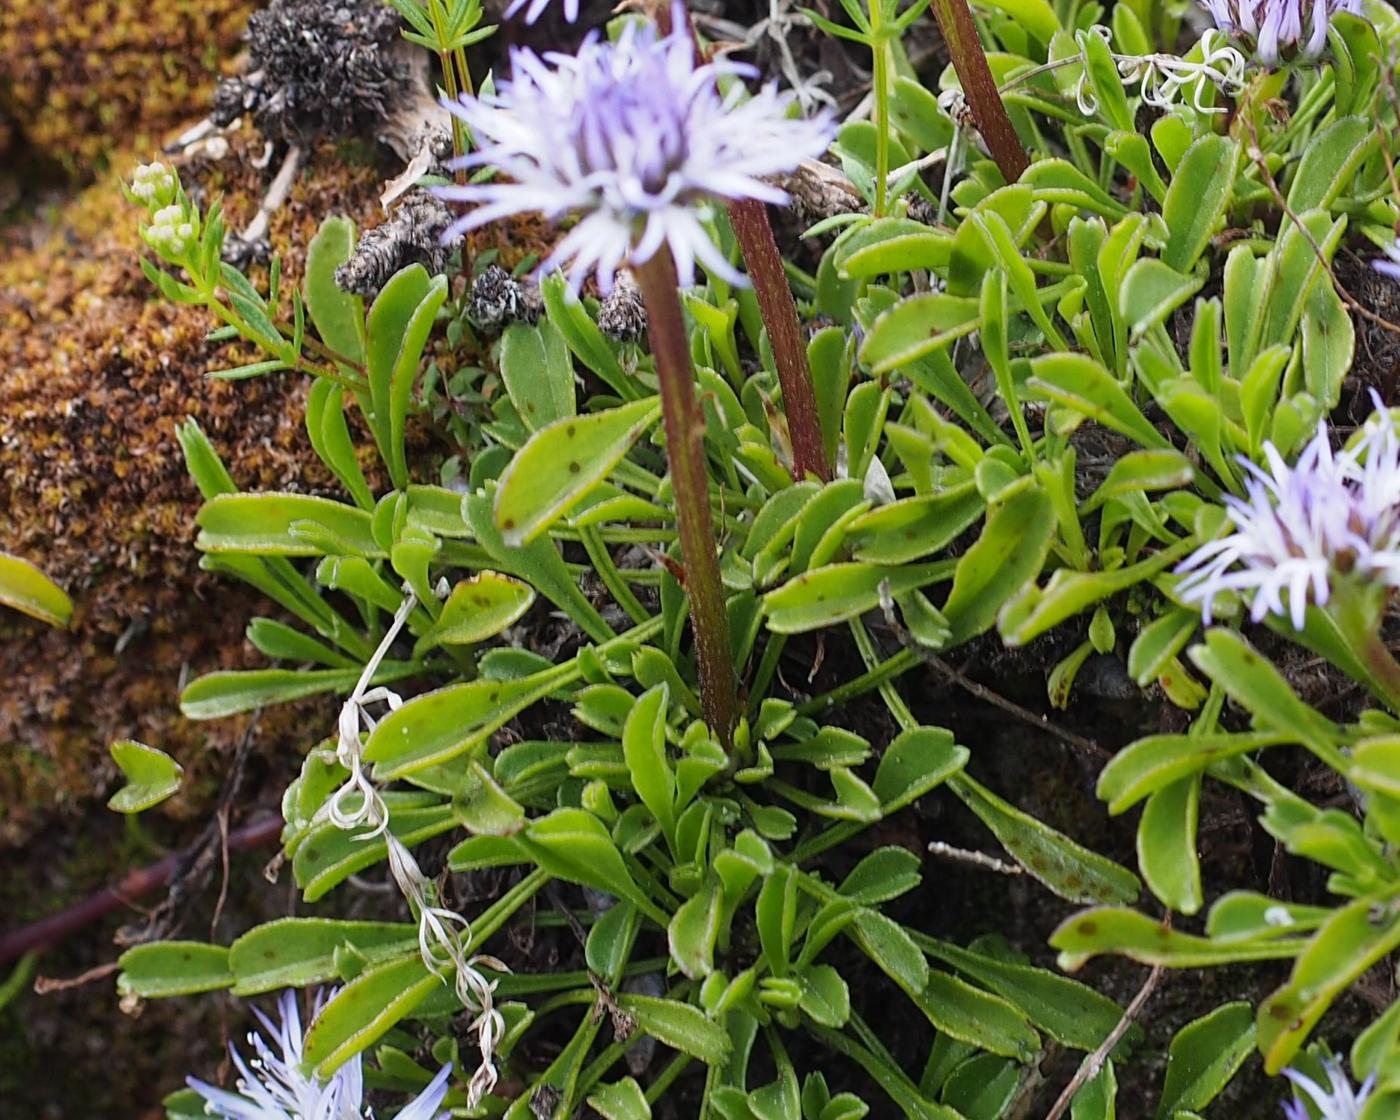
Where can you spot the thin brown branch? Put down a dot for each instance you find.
(1092, 1063)
(982, 692)
(1346, 297)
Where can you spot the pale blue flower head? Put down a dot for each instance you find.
(1339, 1101)
(1389, 265)
(272, 1085)
(537, 8)
(1279, 30)
(1299, 529)
(629, 136)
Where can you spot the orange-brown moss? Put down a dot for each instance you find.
(95, 372)
(80, 79)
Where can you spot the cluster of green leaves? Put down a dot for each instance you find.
(957, 514)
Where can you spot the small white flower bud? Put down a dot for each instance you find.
(154, 184)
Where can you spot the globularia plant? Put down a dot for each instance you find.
(1075, 384)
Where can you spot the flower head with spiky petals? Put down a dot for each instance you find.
(272, 1086)
(629, 136)
(1301, 528)
(1339, 1101)
(1279, 30)
(537, 8)
(1389, 265)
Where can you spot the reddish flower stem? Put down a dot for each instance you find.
(48, 932)
(988, 113)
(685, 425)
(764, 263)
(749, 217)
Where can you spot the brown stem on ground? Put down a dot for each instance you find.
(980, 88)
(685, 425)
(48, 932)
(749, 217)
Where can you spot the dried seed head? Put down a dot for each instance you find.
(623, 315)
(498, 299)
(411, 235)
(318, 70)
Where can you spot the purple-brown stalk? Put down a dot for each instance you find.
(690, 480)
(980, 88)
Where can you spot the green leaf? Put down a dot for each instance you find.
(1067, 868)
(1069, 1012)
(1196, 200)
(620, 1100)
(1009, 553)
(151, 776)
(837, 592)
(1204, 1056)
(538, 563)
(1251, 680)
(1356, 937)
(775, 914)
(1156, 761)
(25, 588)
(216, 695)
(912, 528)
(692, 931)
(825, 997)
(328, 855)
(679, 1026)
(478, 608)
(173, 968)
(300, 952)
(884, 874)
(365, 1010)
(916, 327)
(1330, 161)
(917, 760)
(538, 374)
(1151, 291)
(1159, 642)
(1082, 384)
(562, 462)
(976, 1017)
(572, 844)
(440, 725)
(330, 437)
(337, 315)
(1166, 844)
(1097, 1100)
(582, 335)
(397, 329)
(271, 524)
(644, 748)
(888, 944)
(1128, 933)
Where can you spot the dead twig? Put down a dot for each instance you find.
(982, 692)
(1346, 297)
(1092, 1063)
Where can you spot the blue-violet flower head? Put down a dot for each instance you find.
(1300, 528)
(1389, 265)
(1339, 1101)
(272, 1086)
(630, 136)
(1279, 30)
(537, 8)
